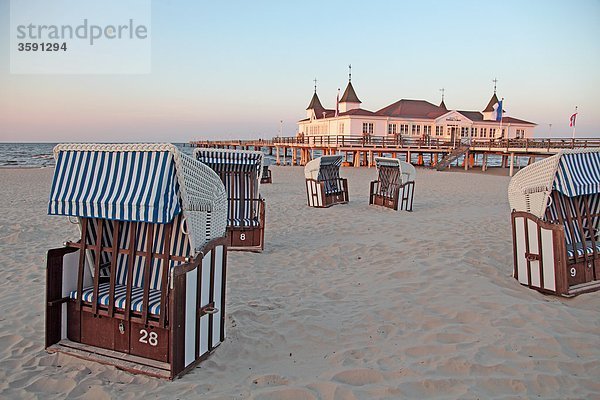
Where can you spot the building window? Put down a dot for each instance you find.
(391, 129)
(416, 130)
(473, 132)
(464, 132)
(520, 134)
(367, 128)
(439, 131)
(492, 133)
(427, 130)
(340, 127)
(403, 129)
(484, 132)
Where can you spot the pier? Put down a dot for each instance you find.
(361, 150)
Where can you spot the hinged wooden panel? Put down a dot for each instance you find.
(97, 330)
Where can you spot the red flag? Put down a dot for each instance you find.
(572, 120)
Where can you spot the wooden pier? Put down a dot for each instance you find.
(361, 151)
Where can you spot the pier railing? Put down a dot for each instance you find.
(366, 141)
(408, 142)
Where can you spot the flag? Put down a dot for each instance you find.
(572, 120)
(497, 113)
(337, 103)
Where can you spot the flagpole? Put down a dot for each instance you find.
(574, 122)
(501, 112)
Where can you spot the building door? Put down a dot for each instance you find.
(453, 131)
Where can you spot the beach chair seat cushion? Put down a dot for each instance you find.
(137, 295)
(244, 222)
(580, 251)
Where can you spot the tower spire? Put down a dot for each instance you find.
(495, 81)
(442, 90)
(349, 72)
(315, 81)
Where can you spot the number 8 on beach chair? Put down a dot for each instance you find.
(153, 221)
(324, 187)
(240, 171)
(556, 223)
(395, 184)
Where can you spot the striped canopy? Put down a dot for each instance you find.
(570, 172)
(225, 160)
(136, 186)
(240, 171)
(578, 174)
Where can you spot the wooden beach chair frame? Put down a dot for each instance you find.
(265, 177)
(324, 186)
(161, 308)
(240, 172)
(395, 184)
(556, 223)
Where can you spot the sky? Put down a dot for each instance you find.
(236, 69)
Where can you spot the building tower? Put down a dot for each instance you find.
(349, 100)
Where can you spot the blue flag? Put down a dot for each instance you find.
(498, 110)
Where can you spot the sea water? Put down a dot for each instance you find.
(39, 155)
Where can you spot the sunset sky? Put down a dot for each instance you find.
(235, 70)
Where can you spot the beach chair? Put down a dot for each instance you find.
(324, 187)
(265, 177)
(154, 220)
(240, 171)
(556, 223)
(395, 184)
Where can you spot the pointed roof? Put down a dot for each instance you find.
(442, 105)
(490, 106)
(349, 95)
(315, 103)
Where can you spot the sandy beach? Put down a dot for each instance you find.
(349, 302)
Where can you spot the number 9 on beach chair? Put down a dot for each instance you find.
(240, 171)
(395, 184)
(144, 287)
(556, 223)
(324, 187)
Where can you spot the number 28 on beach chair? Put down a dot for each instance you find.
(324, 187)
(395, 184)
(240, 171)
(556, 223)
(144, 287)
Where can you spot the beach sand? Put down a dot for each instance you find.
(349, 302)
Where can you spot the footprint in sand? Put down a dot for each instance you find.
(359, 377)
(269, 380)
(286, 394)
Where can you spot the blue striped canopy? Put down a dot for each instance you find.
(578, 174)
(221, 160)
(136, 186)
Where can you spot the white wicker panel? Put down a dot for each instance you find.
(548, 259)
(520, 250)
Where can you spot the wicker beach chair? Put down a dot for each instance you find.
(556, 223)
(240, 171)
(324, 187)
(395, 184)
(265, 177)
(154, 220)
